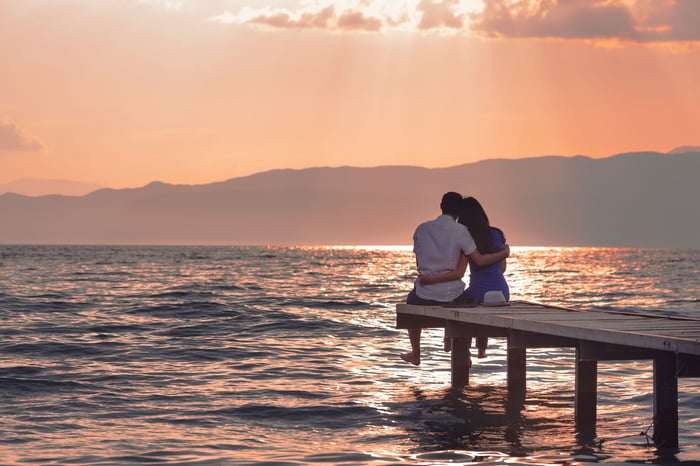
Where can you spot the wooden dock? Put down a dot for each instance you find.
(672, 343)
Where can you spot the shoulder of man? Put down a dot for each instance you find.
(426, 224)
(419, 228)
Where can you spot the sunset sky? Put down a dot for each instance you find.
(123, 92)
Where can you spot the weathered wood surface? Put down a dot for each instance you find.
(678, 335)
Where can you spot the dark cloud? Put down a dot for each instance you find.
(684, 21)
(640, 21)
(12, 139)
(550, 18)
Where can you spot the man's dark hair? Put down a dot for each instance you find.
(451, 203)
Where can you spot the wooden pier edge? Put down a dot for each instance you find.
(557, 328)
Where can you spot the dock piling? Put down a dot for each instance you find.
(665, 402)
(460, 361)
(516, 358)
(586, 380)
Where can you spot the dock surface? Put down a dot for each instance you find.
(675, 334)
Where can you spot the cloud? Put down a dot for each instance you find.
(621, 21)
(684, 21)
(360, 15)
(442, 14)
(12, 140)
(642, 21)
(320, 19)
(325, 18)
(356, 20)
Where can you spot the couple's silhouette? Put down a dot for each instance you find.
(444, 247)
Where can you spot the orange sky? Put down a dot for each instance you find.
(121, 93)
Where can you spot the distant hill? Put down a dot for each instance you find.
(43, 187)
(684, 149)
(644, 199)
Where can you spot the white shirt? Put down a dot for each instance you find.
(437, 244)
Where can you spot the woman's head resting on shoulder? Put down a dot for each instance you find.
(473, 216)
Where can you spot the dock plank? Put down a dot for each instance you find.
(633, 325)
(643, 331)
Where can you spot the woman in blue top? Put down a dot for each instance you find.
(481, 279)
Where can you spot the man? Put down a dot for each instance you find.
(437, 245)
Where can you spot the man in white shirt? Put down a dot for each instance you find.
(437, 245)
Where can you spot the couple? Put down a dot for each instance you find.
(443, 247)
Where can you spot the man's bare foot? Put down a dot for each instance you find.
(409, 357)
(448, 344)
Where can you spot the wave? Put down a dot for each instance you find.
(16, 386)
(185, 310)
(325, 416)
(57, 350)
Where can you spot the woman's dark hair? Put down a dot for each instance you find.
(473, 216)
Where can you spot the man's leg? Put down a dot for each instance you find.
(414, 333)
(414, 356)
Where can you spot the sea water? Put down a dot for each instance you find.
(289, 355)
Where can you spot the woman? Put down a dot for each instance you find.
(481, 279)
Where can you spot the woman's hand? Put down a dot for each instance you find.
(426, 279)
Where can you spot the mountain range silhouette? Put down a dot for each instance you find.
(640, 199)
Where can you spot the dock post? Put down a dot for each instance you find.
(461, 361)
(665, 403)
(517, 357)
(586, 390)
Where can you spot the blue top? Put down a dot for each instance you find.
(490, 277)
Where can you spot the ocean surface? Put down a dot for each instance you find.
(289, 356)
